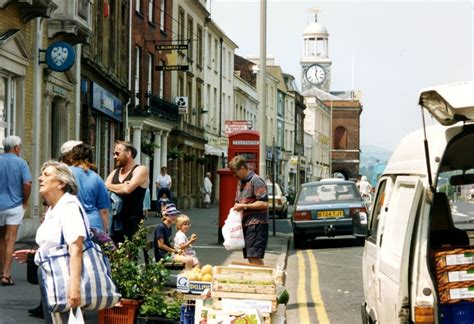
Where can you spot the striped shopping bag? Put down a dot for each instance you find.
(97, 288)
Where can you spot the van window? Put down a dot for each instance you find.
(459, 189)
(379, 201)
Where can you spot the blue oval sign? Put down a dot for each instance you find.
(60, 56)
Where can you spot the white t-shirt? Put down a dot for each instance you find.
(66, 216)
(164, 181)
(181, 238)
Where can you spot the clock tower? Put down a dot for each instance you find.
(315, 63)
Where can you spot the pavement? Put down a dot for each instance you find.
(16, 300)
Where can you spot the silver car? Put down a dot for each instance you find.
(325, 208)
(281, 202)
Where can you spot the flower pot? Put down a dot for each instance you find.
(124, 312)
(155, 320)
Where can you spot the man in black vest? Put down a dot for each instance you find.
(128, 180)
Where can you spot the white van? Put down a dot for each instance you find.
(418, 265)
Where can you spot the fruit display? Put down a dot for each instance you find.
(199, 274)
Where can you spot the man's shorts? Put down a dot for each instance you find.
(256, 238)
(12, 216)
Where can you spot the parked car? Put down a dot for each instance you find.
(325, 208)
(281, 202)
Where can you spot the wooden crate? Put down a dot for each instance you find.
(243, 286)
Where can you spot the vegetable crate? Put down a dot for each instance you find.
(253, 284)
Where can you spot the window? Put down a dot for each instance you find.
(151, 10)
(162, 80)
(149, 86)
(209, 49)
(181, 24)
(162, 14)
(377, 209)
(340, 138)
(198, 104)
(199, 46)
(138, 5)
(137, 74)
(190, 96)
(7, 112)
(216, 54)
(190, 37)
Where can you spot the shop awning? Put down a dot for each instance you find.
(215, 150)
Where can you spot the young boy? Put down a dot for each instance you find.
(182, 242)
(162, 235)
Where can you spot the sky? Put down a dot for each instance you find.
(387, 50)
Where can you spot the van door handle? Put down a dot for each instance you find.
(373, 268)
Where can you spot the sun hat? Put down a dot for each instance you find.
(170, 210)
(68, 146)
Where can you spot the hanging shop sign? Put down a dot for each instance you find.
(104, 101)
(60, 56)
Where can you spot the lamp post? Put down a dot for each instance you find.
(262, 120)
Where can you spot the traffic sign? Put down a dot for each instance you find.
(172, 67)
(171, 47)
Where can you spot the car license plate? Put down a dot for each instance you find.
(330, 214)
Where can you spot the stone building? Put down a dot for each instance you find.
(39, 92)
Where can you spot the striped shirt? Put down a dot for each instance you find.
(250, 189)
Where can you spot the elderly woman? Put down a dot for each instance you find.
(92, 193)
(58, 187)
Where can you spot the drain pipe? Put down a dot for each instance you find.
(36, 140)
(127, 105)
(77, 125)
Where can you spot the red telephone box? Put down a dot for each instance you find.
(247, 144)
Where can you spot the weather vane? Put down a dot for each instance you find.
(315, 11)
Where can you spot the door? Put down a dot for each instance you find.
(372, 245)
(394, 252)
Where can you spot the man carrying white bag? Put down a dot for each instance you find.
(232, 231)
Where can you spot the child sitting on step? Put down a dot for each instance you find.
(182, 242)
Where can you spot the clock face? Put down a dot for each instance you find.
(315, 74)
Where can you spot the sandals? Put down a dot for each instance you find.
(7, 281)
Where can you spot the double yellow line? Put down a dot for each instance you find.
(302, 298)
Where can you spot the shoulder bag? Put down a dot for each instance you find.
(98, 291)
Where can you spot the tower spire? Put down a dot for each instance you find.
(315, 11)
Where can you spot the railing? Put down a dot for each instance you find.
(159, 107)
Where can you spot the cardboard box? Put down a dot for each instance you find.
(184, 285)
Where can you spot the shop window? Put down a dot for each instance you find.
(6, 108)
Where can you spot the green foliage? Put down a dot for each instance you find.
(139, 281)
(174, 153)
(148, 148)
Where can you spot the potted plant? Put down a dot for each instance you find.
(148, 148)
(202, 160)
(139, 284)
(174, 153)
(188, 157)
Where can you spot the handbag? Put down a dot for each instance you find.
(98, 291)
(31, 270)
(103, 239)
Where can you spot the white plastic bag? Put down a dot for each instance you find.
(232, 231)
(76, 318)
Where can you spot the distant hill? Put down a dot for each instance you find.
(369, 156)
